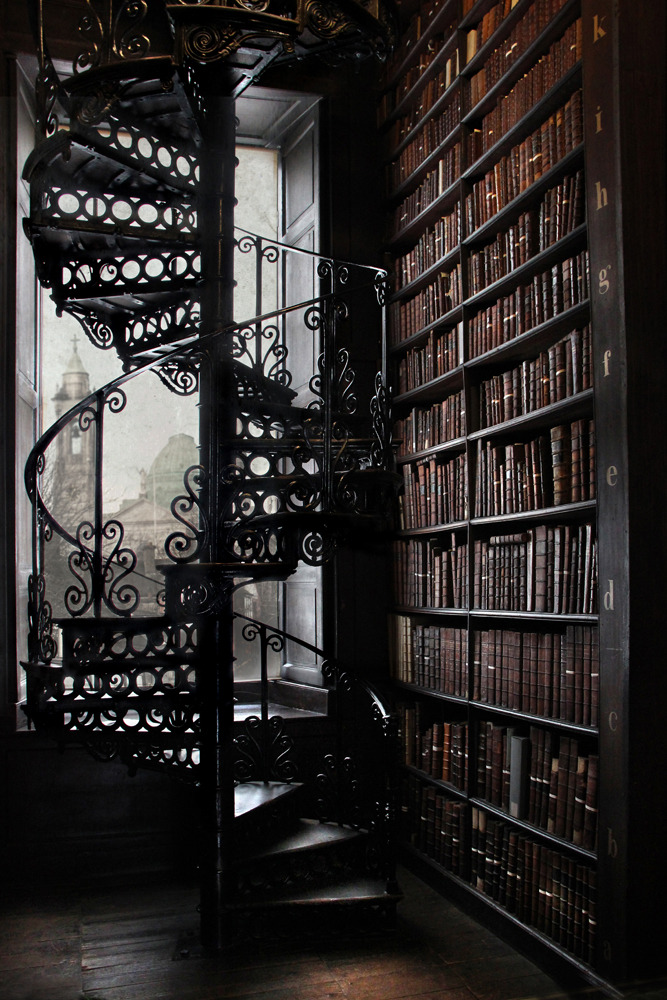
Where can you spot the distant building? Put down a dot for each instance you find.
(147, 519)
(72, 484)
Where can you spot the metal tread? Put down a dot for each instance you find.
(350, 892)
(251, 796)
(308, 835)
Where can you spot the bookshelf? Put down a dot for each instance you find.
(504, 136)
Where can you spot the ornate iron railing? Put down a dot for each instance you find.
(320, 455)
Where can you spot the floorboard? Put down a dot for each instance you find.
(140, 943)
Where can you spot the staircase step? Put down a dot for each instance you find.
(252, 796)
(97, 158)
(353, 892)
(308, 835)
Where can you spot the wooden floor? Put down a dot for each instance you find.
(129, 944)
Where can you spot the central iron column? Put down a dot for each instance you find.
(217, 427)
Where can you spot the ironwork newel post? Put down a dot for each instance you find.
(217, 424)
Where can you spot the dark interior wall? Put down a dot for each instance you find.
(69, 819)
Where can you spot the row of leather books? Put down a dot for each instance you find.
(439, 750)
(439, 355)
(434, 244)
(548, 569)
(435, 492)
(526, 163)
(436, 182)
(552, 674)
(562, 56)
(542, 777)
(415, 314)
(423, 97)
(431, 573)
(431, 656)
(490, 22)
(436, 825)
(546, 471)
(559, 212)
(511, 48)
(427, 426)
(542, 886)
(562, 371)
(430, 136)
(543, 297)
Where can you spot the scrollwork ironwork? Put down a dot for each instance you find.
(47, 86)
(381, 425)
(180, 375)
(347, 400)
(206, 43)
(326, 20)
(265, 360)
(121, 598)
(116, 400)
(184, 546)
(42, 645)
(95, 326)
(116, 37)
(79, 596)
(261, 750)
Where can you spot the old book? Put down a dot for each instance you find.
(519, 770)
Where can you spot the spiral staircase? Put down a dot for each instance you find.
(131, 224)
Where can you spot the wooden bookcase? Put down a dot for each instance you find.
(528, 678)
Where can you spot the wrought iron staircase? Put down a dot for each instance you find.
(131, 224)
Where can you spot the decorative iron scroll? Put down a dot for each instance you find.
(96, 326)
(180, 375)
(381, 447)
(270, 762)
(42, 646)
(47, 93)
(120, 598)
(260, 347)
(110, 34)
(338, 792)
(185, 546)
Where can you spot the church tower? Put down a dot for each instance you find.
(73, 474)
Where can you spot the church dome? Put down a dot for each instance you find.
(165, 476)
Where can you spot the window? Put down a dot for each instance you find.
(57, 366)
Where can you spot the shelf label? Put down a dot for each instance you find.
(601, 196)
(612, 475)
(604, 283)
(612, 846)
(598, 119)
(613, 721)
(598, 30)
(606, 358)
